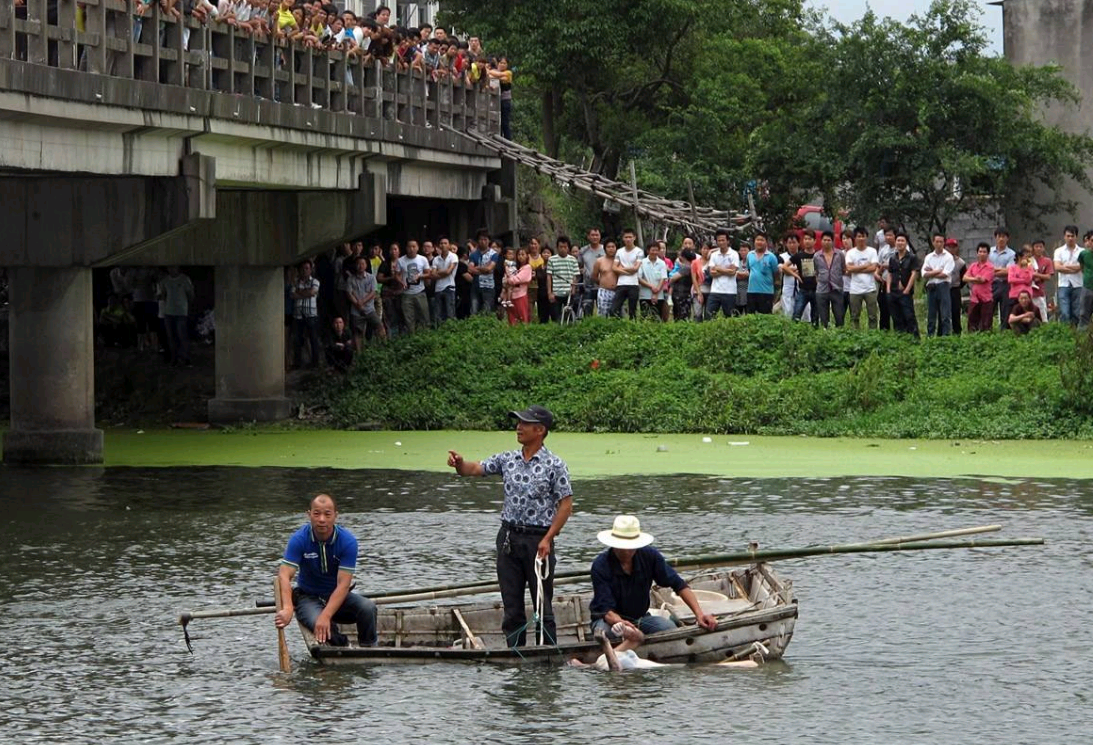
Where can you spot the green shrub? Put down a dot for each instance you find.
(751, 375)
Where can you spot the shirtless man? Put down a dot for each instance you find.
(605, 278)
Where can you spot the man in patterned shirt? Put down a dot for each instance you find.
(306, 316)
(538, 501)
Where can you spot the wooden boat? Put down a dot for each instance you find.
(755, 610)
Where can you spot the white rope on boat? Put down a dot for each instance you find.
(542, 572)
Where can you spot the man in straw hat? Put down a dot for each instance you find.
(538, 501)
(622, 577)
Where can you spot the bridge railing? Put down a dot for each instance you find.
(217, 57)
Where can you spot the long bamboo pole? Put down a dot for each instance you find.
(427, 593)
(885, 545)
(710, 561)
(933, 536)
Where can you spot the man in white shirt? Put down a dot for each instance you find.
(444, 266)
(789, 276)
(652, 278)
(937, 270)
(415, 304)
(1069, 274)
(627, 263)
(722, 266)
(861, 267)
(846, 242)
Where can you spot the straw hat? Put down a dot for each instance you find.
(625, 533)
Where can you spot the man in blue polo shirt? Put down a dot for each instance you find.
(762, 266)
(324, 555)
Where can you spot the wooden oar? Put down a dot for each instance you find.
(282, 645)
(474, 640)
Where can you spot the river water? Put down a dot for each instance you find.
(931, 647)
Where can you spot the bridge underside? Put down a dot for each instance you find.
(58, 228)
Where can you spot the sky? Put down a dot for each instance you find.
(848, 11)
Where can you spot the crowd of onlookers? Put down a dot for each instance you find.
(318, 25)
(149, 309)
(357, 295)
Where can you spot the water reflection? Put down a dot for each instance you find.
(905, 648)
(83, 490)
(539, 689)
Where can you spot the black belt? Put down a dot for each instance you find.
(528, 529)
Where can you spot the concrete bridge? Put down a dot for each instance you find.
(197, 145)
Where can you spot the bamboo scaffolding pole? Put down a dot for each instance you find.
(644, 203)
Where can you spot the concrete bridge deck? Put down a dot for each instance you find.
(191, 144)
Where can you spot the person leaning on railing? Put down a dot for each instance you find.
(503, 75)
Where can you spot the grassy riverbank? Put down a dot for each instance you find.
(602, 455)
(749, 376)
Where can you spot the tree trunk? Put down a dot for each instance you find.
(550, 137)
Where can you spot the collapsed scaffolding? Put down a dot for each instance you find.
(702, 222)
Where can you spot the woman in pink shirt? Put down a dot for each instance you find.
(518, 283)
(980, 275)
(1019, 276)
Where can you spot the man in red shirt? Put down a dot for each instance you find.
(980, 276)
(1043, 269)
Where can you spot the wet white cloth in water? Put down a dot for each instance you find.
(628, 660)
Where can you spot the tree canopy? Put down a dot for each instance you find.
(917, 121)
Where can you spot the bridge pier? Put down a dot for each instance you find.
(250, 358)
(52, 358)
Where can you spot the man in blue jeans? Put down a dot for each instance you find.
(324, 556)
(621, 579)
(483, 261)
(937, 271)
(1069, 273)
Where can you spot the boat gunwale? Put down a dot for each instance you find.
(780, 612)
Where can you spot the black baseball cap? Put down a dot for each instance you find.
(534, 415)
